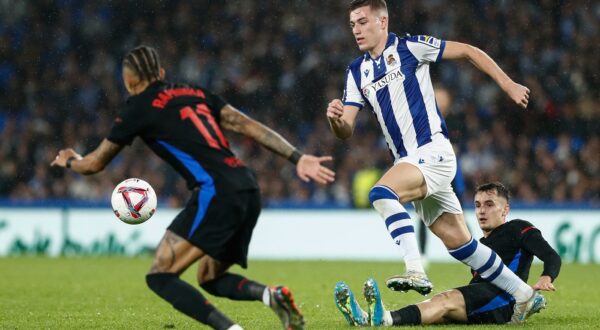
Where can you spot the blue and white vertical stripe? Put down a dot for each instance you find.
(398, 87)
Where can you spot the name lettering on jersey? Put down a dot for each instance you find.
(167, 95)
(384, 81)
(431, 41)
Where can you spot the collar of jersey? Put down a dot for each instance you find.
(390, 41)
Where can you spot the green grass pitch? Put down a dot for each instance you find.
(110, 293)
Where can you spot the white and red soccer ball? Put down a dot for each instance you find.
(133, 201)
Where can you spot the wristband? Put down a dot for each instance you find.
(69, 160)
(295, 157)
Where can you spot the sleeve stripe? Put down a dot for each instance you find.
(442, 47)
(527, 229)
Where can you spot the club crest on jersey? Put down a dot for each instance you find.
(431, 41)
(391, 60)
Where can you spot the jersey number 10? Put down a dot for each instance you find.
(202, 109)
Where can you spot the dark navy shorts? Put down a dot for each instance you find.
(487, 304)
(221, 225)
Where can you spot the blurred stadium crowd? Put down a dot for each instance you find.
(281, 62)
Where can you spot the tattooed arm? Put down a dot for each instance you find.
(92, 163)
(238, 122)
(307, 166)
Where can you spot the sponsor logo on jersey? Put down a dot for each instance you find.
(366, 72)
(431, 41)
(384, 81)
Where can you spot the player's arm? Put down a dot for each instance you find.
(92, 163)
(307, 166)
(342, 118)
(456, 50)
(534, 242)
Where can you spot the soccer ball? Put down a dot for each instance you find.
(133, 201)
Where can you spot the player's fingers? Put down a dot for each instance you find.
(325, 158)
(327, 171)
(318, 179)
(326, 176)
(303, 177)
(523, 104)
(333, 112)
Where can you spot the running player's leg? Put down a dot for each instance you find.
(173, 256)
(226, 232)
(213, 278)
(402, 183)
(453, 232)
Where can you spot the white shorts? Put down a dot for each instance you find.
(437, 162)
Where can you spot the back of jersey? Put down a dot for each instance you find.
(180, 123)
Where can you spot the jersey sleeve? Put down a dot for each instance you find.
(532, 240)
(128, 124)
(426, 49)
(215, 103)
(352, 94)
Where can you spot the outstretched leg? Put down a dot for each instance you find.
(453, 232)
(445, 307)
(173, 256)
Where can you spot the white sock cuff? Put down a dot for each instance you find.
(266, 298)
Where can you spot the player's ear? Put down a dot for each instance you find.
(505, 210)
(162, 73)
(384, 22)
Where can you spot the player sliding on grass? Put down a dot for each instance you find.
(183, 125)
(392, 76)
(516, 242)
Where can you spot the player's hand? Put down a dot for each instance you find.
(335, 109)
(518, 93)
(544, 284)
(63, 155)
(309, 167)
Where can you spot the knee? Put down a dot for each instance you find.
(448, 300)
(156, 281)
(205, 278)
(379, 192)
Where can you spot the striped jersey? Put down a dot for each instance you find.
(397, 86)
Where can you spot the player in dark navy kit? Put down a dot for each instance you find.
(183, 125)
(479, 302)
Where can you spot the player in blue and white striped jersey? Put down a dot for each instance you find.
(392, 77)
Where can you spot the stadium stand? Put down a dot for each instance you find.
(60, 86)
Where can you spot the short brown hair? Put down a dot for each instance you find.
(500, 189)
(374, 4)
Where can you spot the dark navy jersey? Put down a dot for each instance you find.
(180, 123)
(516, 242)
